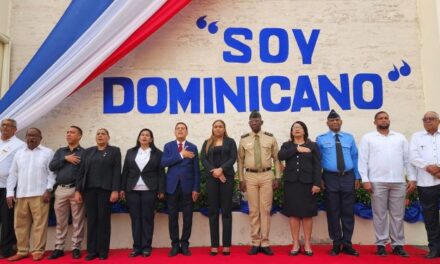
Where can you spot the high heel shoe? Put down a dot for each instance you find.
(295, 252)
(308, 253)
(213, 253)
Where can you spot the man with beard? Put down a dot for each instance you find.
(33, 180)
(383, 154)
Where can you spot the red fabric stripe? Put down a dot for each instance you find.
(165, 13)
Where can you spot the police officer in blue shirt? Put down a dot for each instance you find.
(340, 178)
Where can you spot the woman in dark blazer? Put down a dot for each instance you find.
(302, 178)
(99, 182)
(143, 180)
(218, 156)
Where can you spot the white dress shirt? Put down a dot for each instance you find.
(30, 172)
(424, 151)
(8, 148)
(382, 158)
(142, 158)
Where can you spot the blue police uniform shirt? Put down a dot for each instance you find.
(327, 145)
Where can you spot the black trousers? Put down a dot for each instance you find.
(429, 199)
(141, 206)
(340, 197)
(98, 210)
(220, 196)
(181, 200)
(7, 236)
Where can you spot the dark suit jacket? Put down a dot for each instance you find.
(303, 167)
(229, 157)
(186, 171)
(152, 174)
(111, 176)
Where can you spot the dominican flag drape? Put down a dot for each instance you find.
(90, 37)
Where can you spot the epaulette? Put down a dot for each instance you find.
(245, 135)
(268, 134)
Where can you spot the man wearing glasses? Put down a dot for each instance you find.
(9, 144)
(425, 156)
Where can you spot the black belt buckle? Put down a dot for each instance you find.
(260, 170)
(70, 185)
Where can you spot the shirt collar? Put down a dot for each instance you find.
(259, 133)
(427, 133)
(77, 148)
(9, 140)
(391, 133)
(37, 148)
(140, 150)
(183, 143)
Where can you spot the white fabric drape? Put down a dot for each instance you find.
(109, 31)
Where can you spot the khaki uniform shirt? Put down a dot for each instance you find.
(269, 153)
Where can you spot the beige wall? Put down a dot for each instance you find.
(4, 16)
(356, 36)
(5, 11)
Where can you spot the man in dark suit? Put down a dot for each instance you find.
(182, 186)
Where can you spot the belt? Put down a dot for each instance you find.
(70, 185)
(339, 173)
(261, 170)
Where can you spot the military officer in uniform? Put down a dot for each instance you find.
(340, 175)
(257, 152)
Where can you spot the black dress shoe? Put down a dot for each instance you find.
(399, 251)
(103, 256)
(134, 254)
(56, 254)
(226, 253)
(295, 252)
(266, 251)
(76, 253)
(381, 251)
(308, 253)
(350, 251)
(91, 257)
(186, 251)
(254, 250)
(432, 254)
(336, 249)
(174, 251)
(146, 253)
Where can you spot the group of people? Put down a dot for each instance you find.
(89, 180)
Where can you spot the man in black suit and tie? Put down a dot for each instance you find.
(182, 186)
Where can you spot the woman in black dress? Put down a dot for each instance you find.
(143, 181)
(218, 156)
(302, 178)
(99, 182)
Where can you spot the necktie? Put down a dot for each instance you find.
(339, 155)
(180, 147)
(257, 152)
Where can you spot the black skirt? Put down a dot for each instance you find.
(299, 200)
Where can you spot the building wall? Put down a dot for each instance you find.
(355, 37)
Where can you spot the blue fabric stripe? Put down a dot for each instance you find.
(77, 18)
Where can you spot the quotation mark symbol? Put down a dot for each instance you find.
(212, 27)
(395, 73)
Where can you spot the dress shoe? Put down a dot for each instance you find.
(134, 254)
(336, 249)
(350, 251)
(254, 250)
(146, 253)
(399, 251)
(174, 251)
(432, 254)
(266, 251)
(213, 252)
(76, 253)
(91, 257)
(381, 251)
(308, 253)
(56, 254)
(6, 255)
(17, 257)
(295, 252)
(103, 257)
(186, 251)
(226, 251)
(37, 256)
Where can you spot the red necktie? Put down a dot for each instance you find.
(180, 147)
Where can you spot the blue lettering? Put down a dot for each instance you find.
(358, 91)
(306, 47)
(208, 94)
(283, 44)
(341, 97)
(304, 88)
(254, 98)
(184, 97)
(142, 87)
(231, 41)
(222, 90)
(128, 101)
(266, 86)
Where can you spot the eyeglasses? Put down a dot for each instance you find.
(428, 119)
(7, 125)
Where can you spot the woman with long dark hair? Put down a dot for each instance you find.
(99, 182)
(218, 155)
(143, 181)
(302, 180)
